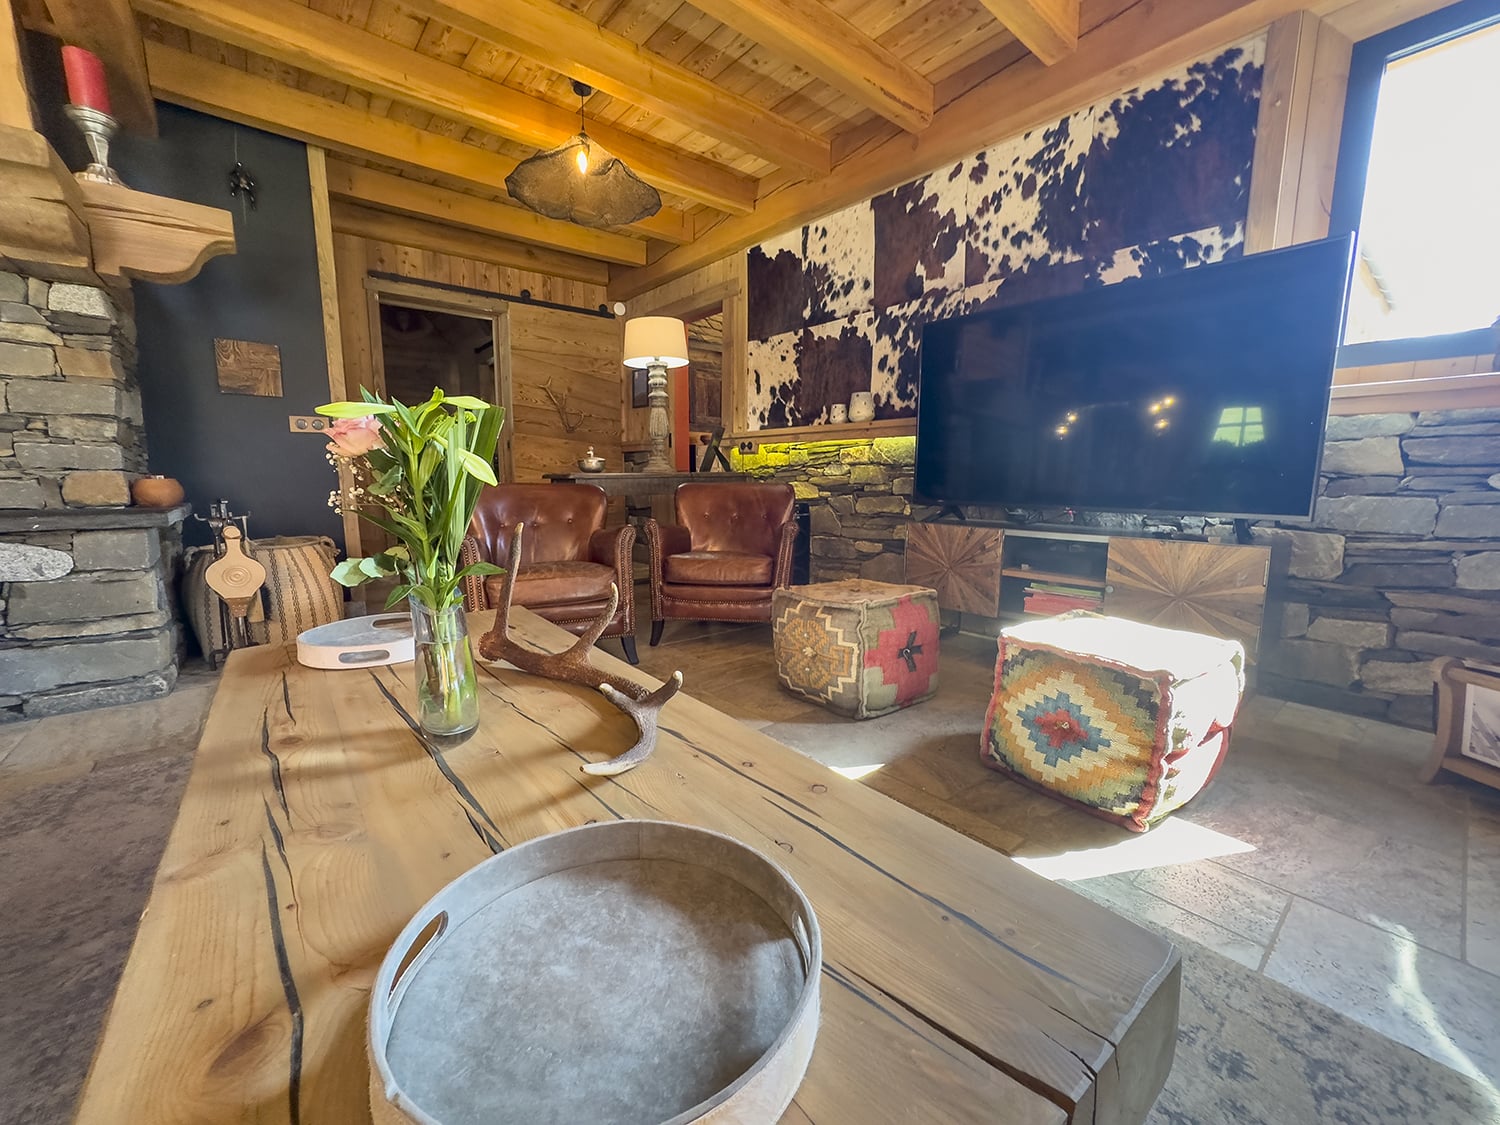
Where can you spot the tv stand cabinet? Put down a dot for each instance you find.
(984, 569)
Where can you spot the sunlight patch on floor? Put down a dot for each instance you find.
(857, 773)
(1169, 843)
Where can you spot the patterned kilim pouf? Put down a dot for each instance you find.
(857, 647)
(1129, 721)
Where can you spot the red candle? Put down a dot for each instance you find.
(86, 82)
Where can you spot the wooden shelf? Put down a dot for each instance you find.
(1053, 578)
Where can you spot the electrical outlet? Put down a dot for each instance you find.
(306, 423)
(747, 447)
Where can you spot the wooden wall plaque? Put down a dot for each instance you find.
(248, 368)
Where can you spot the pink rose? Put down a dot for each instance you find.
(354, 437)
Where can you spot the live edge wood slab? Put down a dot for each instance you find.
(957, 986)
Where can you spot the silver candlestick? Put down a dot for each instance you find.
(97, 129)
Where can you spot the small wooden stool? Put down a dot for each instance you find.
(860, 648)
(1127, 721)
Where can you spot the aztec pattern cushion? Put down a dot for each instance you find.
(1129, 721)
(857, 647)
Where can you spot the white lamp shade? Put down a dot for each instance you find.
(655, 339)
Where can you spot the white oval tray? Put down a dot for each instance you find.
(358, 642)
(632, 971)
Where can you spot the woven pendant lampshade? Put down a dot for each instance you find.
(583, 183)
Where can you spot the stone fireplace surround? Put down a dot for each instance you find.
(71, 440)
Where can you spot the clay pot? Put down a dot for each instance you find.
(157, 492)
(861, 406)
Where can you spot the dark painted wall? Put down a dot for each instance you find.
(231, 446)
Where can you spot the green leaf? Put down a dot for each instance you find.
(350, 573)
(468, 402)
(479, 570)
(476, 467)
(399, 594)
(353, 409)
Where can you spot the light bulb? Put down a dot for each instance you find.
(583, 160)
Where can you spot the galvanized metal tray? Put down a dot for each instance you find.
(629, 972)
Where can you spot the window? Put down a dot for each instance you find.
(1418, 176)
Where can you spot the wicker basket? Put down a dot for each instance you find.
(632, 971)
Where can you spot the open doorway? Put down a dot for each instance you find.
(418, 346)
(421, 349)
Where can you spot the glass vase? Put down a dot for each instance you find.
(447, 690)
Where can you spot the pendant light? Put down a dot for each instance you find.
(582, 182)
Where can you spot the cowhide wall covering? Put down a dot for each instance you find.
(1155, 179)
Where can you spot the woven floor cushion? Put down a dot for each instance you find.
(859, 648)
(1128, 721)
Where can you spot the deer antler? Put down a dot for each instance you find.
(572, 666)
(562, 407)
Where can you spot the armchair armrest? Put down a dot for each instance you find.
(608, 545)
(663, 540)
(786, 543)
(473, 584)
(614, 547)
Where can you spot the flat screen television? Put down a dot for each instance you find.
(1200, 392)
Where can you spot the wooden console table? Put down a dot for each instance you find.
(957, 986)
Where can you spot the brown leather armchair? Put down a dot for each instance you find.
(731, 546)
(568, 557)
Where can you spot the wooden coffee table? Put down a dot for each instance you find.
(957, 986)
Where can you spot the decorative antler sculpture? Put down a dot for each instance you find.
(568, 424)
(573, 666)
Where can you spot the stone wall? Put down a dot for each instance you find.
(859, 496)
(70, 411)
(87, 620)
(1400, 564)
(103, 633)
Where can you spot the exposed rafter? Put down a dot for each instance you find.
(572, 44)
(299, 36)
(188, 80)
(392, 193)
(108, 28)
(828, 46)
(1049, 28)
(403, 231)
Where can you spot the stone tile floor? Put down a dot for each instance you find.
(1315, 858)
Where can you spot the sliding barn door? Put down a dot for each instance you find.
(566, 382)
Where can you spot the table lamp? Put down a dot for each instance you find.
(656, 343)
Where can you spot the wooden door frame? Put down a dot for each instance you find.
(414, 295)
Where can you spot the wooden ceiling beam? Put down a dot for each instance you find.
(299, 36)
(575, 46)
(108, 28)
(829, 47)
(392, 193)
(1048, 28)
(185, 79)
(380, 226)
(1141, 39)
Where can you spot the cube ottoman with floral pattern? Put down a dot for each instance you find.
(1129, 721)
(860, 648)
